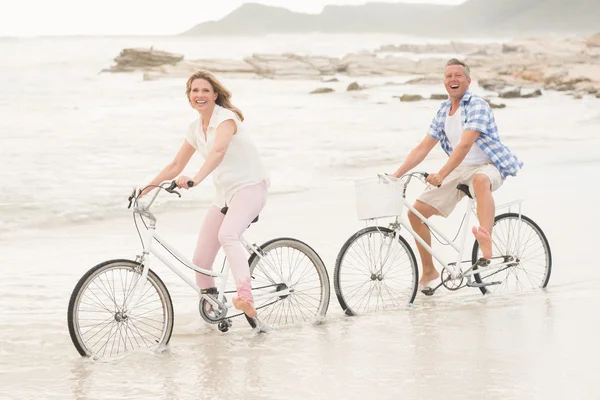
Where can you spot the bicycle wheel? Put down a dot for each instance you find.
(521, 240)
(100, 322)
(375, 270)
(288, 264)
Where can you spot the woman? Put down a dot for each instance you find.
(239, 176)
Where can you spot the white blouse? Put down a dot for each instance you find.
(241, 165)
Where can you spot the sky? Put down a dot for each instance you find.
(136, 17)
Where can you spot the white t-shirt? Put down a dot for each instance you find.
(454, 130)
(241, 165)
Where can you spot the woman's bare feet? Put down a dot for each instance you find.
(427, 277)
(244, 305)
(485, 241)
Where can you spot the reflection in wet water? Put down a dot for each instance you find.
(455, 345)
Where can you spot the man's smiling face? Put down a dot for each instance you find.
(456, 81)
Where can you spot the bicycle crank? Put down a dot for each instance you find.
(449, 283)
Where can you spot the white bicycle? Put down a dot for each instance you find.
(122, 305)
(376, 268)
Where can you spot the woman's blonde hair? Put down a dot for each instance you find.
(223, 95)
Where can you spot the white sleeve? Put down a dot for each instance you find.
(192, 135)
(226, 114)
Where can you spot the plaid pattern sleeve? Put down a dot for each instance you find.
(478, 116)
(436, 129)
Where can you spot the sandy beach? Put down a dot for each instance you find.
(84, 156)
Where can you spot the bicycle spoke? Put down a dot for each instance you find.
(521, 244)
(374, 272)
(120, 330)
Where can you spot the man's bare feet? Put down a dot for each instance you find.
(485, 241)
(244, 305)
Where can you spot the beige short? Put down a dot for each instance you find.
(447, 196)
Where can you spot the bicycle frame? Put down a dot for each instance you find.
(151, 236)
(454, 268)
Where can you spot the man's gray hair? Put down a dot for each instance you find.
(455, 61)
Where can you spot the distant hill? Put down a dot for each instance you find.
(474, 17)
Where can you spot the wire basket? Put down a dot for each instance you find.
(378, 197)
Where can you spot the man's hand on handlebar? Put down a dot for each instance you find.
(434, 179)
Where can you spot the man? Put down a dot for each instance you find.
(467, 131)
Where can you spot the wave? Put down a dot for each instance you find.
(24, 216)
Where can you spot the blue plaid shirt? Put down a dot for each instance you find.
(477, 116)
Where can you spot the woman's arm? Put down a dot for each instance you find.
(223, 136)
(174, 168)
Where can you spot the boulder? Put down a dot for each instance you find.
(511, 93)
(535, 93)
(322, 90)
(492, 84)
(438, 97)
(506, 48)
(353, 86)
(495, 105)
(139, 59)
(426, 80)
(410, 97)
(531, 75)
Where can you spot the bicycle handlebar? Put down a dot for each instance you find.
(170, 189)
(425, 175)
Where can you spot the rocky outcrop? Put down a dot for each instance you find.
(136, 59)
(571, 65)
(593, 41)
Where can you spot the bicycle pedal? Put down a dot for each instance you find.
(482, 262)
(428, 291)
(210, 290)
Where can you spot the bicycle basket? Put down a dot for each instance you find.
(376, 198)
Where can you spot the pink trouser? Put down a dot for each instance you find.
(225, 230)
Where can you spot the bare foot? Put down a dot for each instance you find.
(244, 305)
(485, 241)
(428, 277)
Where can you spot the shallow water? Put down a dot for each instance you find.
(452, 345)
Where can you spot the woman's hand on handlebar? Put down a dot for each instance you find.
(142, 192)
(185, 182)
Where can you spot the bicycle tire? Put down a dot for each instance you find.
(119, 316)
(504, 246)
(345, 262)
(273, 312)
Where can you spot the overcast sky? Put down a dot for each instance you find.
(135, 17)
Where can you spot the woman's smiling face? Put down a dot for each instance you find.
(202, 95)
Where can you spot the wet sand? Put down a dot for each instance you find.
(453, 345)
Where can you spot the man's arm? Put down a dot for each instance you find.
(458, 155)
(416, 155)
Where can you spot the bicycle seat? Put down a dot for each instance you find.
(224, 212)
(465, 189)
